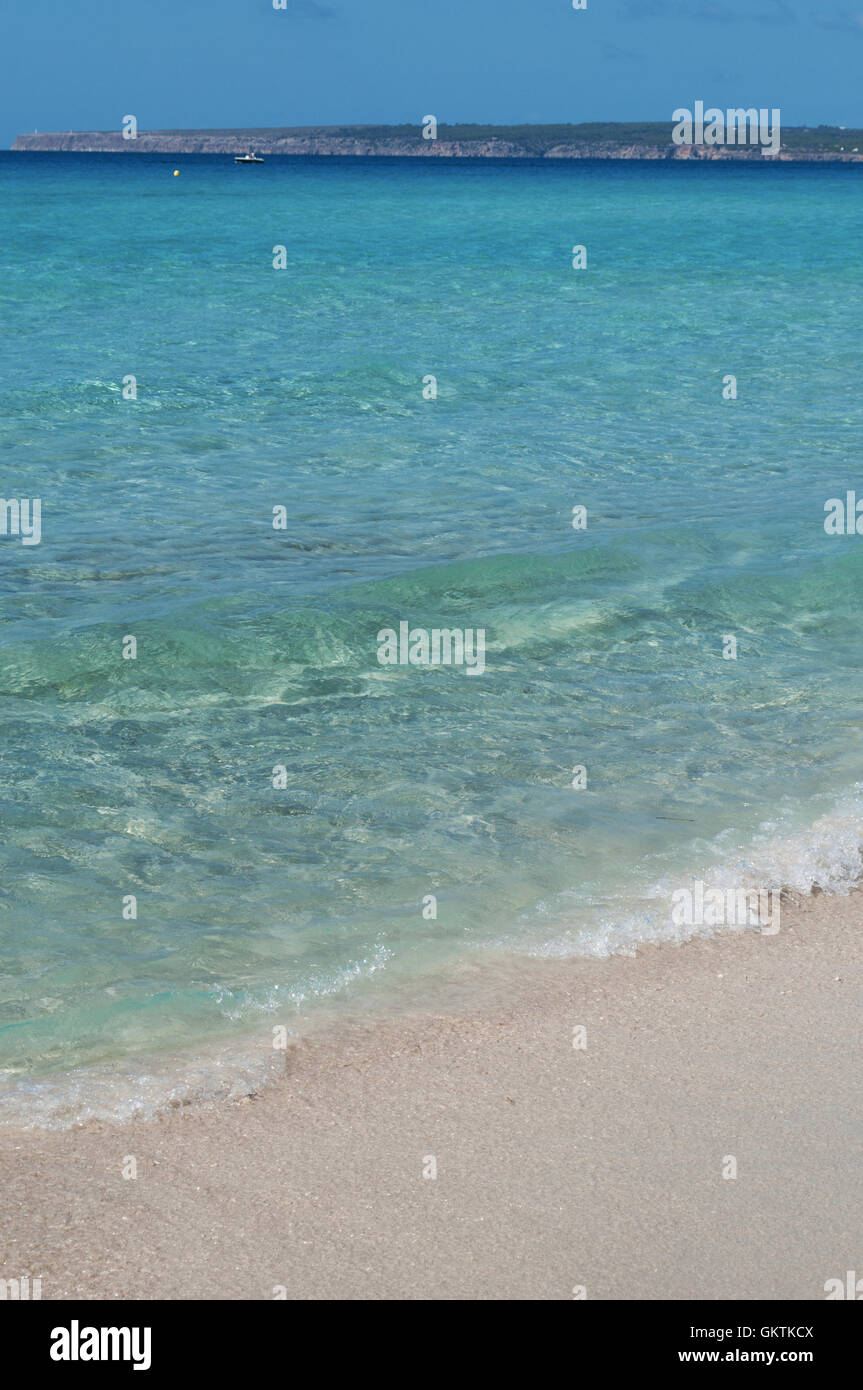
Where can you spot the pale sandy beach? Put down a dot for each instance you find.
(556, 1167)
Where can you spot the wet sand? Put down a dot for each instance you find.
(558, 1168)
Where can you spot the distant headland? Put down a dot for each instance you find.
(604, 140)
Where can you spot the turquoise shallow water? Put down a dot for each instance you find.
(256, 647)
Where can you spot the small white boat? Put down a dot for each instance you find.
(248, 158)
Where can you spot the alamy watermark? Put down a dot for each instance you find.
(20, 1290)
(844, 516)
(420, 646)
(849, 1287)
(736, 126)
(726, 907)
(22, 518)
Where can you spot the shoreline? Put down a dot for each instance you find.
(674, 155)
(603, 141)
(557, 1167)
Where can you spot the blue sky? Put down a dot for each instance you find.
(84, 64)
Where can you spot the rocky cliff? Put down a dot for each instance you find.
(649, 141)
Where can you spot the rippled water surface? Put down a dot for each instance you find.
(256, 647)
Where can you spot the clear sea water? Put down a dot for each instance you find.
(256, 647)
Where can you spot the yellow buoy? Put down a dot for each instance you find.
(176, 173)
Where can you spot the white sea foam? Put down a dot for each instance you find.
(116, 1092)
(825, 856)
